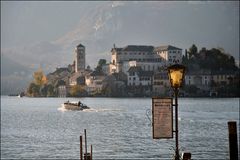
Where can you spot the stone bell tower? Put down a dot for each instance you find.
(79, 57)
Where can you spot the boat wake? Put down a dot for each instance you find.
(62, 109)
(102, 110)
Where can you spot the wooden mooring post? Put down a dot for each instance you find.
(86, 155)
(233, 143)
(85, 133)
(91, 153)
(81, 154)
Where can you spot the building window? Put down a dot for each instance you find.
(134, 78)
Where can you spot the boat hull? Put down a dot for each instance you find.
(74, 107)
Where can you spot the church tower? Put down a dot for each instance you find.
(79, 58)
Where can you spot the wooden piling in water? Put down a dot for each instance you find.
(81, 154)
(233, 143)
(91, 153)
(85, 133)
(86, 155)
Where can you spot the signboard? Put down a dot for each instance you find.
(162, 118)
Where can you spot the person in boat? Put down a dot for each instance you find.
(79, 103)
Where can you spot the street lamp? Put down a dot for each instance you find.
(176, 76)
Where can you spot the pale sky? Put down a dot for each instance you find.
(27, 22)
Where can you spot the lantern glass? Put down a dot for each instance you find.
(176, 75)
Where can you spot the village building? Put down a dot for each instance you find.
(62, 91)
(94, 82)
(208, 81)
(115, 84)
(77, 79)
(201, 79)
(170, 54)
(59, 74)
(139, 77)
(223, 77)
(161, 83)
(149, 58)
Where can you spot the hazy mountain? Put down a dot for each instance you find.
(14, 76)
(121, 23)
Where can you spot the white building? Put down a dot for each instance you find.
(170, 54)
(149, 58)
(62, 91)
(160, 83)
(94, 82)
(201, 79)
(138, 77)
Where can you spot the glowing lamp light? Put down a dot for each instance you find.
(176, 75)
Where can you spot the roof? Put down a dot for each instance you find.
(140, 48)
(117, 49)
(75, 75)
(135, 69)
(97, 73)
(136, 48)
(166, 48)
(60, 70)
(120, 75)
(80, 45)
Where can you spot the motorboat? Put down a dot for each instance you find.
(79, 106)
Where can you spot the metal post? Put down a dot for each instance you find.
(176, 123)
(233, 144)
(91, 153)
(81, 154)
(85, 133)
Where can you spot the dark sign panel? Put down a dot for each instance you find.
(162, 118)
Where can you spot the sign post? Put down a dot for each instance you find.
(162, 118)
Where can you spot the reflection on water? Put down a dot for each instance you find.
(117, 128)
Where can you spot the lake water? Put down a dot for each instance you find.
(117, 128)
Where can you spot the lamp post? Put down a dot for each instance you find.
(176, 75)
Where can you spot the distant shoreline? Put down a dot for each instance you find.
(13, 95)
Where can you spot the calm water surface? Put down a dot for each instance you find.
(118, 128)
